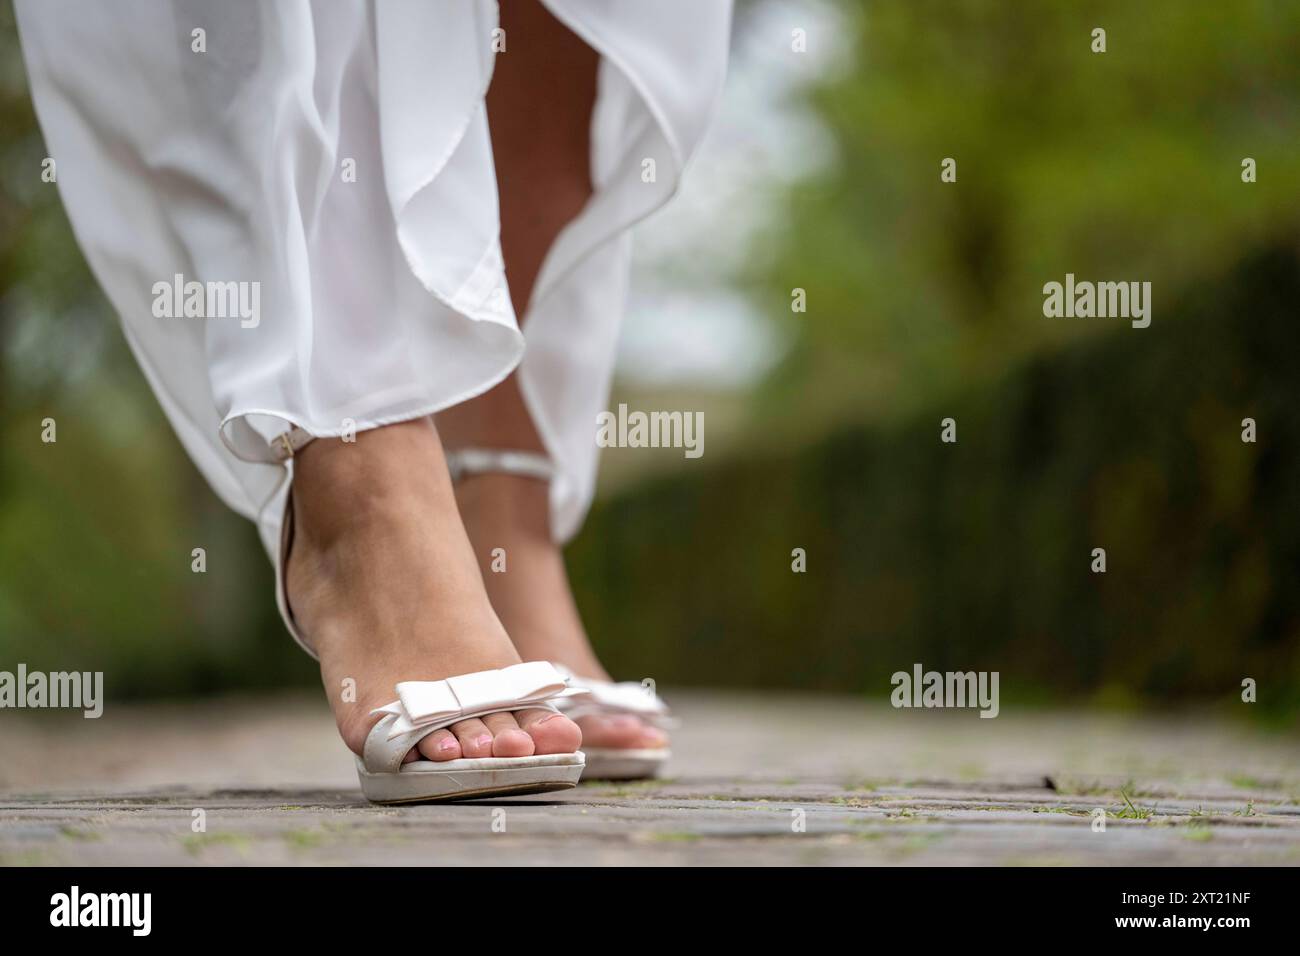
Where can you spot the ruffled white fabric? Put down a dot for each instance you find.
(381, 299)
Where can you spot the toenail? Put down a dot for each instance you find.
(447, 744)
(551, 717)
(483, 739)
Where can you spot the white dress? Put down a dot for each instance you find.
(331, 159)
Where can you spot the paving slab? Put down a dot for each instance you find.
(755, 780)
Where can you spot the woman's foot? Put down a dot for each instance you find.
(383, 584)
(532, 596)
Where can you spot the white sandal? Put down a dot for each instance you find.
(597, 697)
(423, 707)
(602, 698)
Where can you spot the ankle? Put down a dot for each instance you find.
(406, 452)
(346, 518)
(374, 483)
(513, 505)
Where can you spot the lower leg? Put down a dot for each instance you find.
(531, 595)
(539, 113)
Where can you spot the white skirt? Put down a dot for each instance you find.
(322, 171)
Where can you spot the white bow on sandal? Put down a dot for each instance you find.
(423, 707)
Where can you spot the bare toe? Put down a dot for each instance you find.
(440, 745)
(507, 739)
(621, 731)
(552, 733)
(474, 736)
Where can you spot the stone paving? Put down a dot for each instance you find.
(755, 780)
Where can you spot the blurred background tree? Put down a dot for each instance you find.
(924, 302)
(1119, 165)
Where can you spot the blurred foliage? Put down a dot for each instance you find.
(924, 302)
(97, 528)
(1119, 165)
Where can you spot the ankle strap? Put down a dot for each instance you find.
(464, 462)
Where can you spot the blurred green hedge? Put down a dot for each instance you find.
(977, 555)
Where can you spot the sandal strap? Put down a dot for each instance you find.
(463, 462)
(281, 585)
(425, 706)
